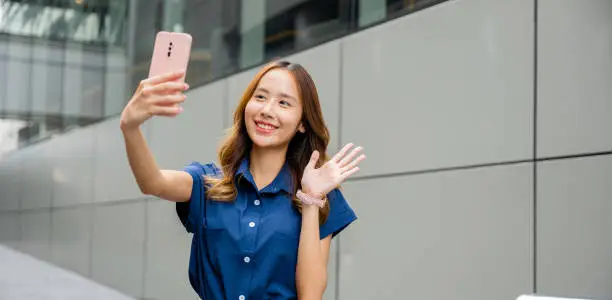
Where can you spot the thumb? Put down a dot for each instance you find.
(313, 160)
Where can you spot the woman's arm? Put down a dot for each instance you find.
(313, 252)
(157, 96)
(313, 255)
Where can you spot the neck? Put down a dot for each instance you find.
(265, 164)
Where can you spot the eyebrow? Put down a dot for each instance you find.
(283, 95)
(262, 90)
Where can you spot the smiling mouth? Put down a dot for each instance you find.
(265, 126)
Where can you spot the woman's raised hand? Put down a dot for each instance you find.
(156, 96)
(319, 182)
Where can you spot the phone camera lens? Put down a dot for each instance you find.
(170, 43)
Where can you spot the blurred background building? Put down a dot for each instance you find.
(486, 124)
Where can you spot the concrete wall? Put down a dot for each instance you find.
(487, 177)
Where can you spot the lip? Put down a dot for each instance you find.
(263, 130)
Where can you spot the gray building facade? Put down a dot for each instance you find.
(486, 125)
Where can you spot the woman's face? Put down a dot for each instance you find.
(273, 114)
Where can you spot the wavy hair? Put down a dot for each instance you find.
(237, 143)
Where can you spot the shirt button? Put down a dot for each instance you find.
(241, 297)
(252, 224)
(247, 259)
(257, 202)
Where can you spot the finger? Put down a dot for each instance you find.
(168, 99)
(342, 152)
(163, 78)
(169, 87)
(313, 159)
(349, 157)
(350, 172)
(167, 111)
(353, 163)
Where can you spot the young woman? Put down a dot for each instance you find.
(264, 218)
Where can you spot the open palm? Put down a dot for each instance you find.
(319, 182)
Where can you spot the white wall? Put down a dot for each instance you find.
(443, 101)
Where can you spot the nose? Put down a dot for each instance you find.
(267, 109)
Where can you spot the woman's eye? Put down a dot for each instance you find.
(260, 97)
(284, 103)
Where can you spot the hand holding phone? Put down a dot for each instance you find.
(162, 93)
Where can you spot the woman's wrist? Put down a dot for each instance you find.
(309, 198)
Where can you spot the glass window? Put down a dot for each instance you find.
(297, 24)
(90, 21)
(374, 11)
(252, 33)
(214, 26)
(289, 26)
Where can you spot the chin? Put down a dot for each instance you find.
(260, 142)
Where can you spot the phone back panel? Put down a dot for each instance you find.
(170, 53)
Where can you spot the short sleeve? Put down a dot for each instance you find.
(191, 213)
(340, 215)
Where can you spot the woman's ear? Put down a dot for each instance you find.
(301, 128)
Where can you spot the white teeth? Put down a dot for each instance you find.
(265, 126)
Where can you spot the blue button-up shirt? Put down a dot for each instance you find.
(247, 248)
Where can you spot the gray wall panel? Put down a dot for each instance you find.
(574, 75)
(451, 85)
(167, 254)
(10, 182)
(72, 159)
(574, 240)
(113, 179)
(10, 229)
(37, 177)
(451, 235)
(71, 238)
(118, 246)
(36, 233)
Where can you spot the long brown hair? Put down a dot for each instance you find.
(237, 143)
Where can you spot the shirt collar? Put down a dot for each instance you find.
(283, 180)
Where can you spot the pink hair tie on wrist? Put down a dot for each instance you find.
(310, 200)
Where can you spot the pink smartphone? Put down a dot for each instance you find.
(170, 53)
